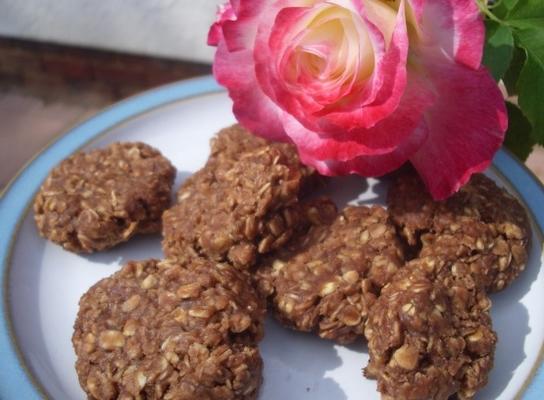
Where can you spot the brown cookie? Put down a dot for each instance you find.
(239, 205)
(225, 150)
(327, 279)
(230, 142)
(429, 334)
(95, 200)
(492, 260)
(411, 207)
(168, 330)
(481, 222)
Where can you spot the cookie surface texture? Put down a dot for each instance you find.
(166, 330)
(95, 200)
(482, 224)
(327, 280)
(430, 335)
(243, 203)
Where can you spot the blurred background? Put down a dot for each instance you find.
(61, 61)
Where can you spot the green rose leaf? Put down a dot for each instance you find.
(499, 48)
(531, 99)
(525, 10)
(527, 21)
(518, 137)
(511, 76)
(509, 4)
(502, 7)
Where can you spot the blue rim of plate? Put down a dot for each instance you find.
(16, 380)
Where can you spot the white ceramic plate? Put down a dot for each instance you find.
(43, 283)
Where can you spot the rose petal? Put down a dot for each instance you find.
(240, 34)
(416, 6)
(380, 139)
(271, 43)
(466, 126)
(314, 36)
(454, 27)
(251, 106)
(225, 12)
(372, 165)
(365, 107)
(388, 85)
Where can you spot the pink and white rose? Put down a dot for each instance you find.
(362, 86)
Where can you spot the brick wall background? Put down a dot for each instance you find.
(50, 70)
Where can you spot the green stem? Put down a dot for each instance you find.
(494, 5)
(482, 5)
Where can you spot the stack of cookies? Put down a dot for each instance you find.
(247, 233)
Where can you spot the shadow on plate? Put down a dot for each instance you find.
(359, 346)
(343, 189)
(378, 191)
(140, 247)
(180, 178)
(296, 365)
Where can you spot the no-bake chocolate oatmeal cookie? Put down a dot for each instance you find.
(95, 200)
(327, 279)
(236, 209)
(429, 334)
(166, 330)
(482, 224)
(228, 146)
